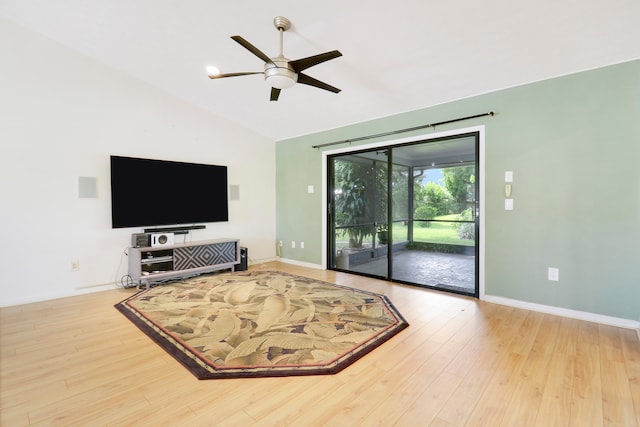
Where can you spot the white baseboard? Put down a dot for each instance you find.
(566, 312)
(254, 262)
(301, 263)
(57, 295)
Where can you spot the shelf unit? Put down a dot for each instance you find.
(155, 264)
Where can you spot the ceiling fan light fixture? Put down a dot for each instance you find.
(278, 74)
(212, 70)
(280, 82)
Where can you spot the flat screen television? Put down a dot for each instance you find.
(147, 192)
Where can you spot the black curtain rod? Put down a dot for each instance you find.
(394, 132)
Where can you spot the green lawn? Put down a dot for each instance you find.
(438, 232)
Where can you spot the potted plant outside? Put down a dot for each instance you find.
(383, 234)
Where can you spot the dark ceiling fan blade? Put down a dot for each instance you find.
(306, 80)
(275, 93)
(251, 48)
(304, 63)
(221, 76)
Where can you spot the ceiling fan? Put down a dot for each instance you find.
(280, 72)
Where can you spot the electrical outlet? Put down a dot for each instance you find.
(293, 244)
(280, 243)
(74, 266)
(301, 245)
(553, 274)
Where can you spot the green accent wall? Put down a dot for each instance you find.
(573, 144)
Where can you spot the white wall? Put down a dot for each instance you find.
(62, 115)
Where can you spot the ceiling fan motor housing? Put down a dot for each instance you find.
(279, 74)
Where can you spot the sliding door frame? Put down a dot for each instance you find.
(480, 130)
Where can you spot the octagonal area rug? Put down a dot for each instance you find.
(262, 323)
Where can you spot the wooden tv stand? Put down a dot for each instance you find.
(156, 264)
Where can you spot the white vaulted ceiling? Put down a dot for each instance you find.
(398, 56)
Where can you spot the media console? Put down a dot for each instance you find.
(155, 264)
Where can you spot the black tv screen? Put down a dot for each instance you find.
(146, 192)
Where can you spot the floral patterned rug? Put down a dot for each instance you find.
(262, 323)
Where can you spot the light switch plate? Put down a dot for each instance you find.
(508, 176)
(508, 204)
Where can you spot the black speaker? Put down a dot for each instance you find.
(244, 260)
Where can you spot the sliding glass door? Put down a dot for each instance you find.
(358, 212)
(407, 213)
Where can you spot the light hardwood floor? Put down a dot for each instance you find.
(462, 362)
